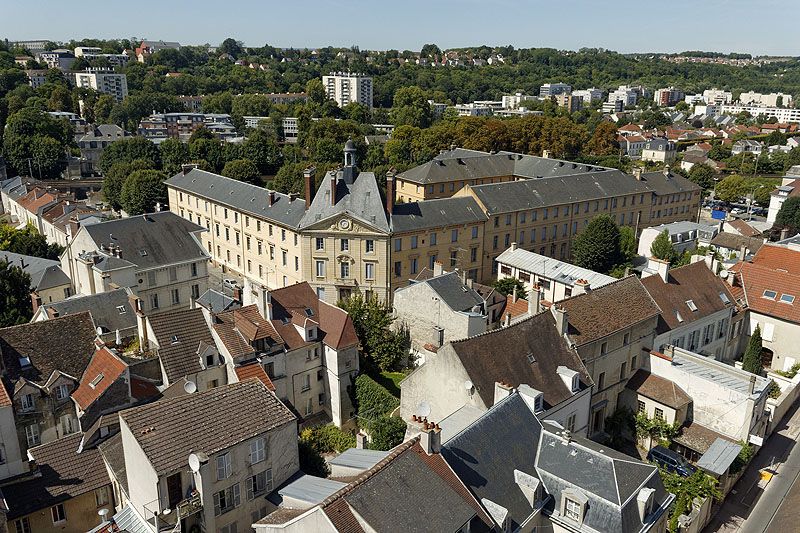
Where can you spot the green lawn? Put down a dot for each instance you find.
(390, 381)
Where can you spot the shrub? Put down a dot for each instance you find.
(373, 402)
(387, 432)
(328, 438)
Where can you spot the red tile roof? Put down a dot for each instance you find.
(103, 370)
(5, 401)
(518, 308)
(254, 371)
(773, 268)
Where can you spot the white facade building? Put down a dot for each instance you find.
(717, 96)
(346, 87)
(766, 100)
(106, 82)
(588, 95)
(626, 95)
(553, 89)
(782, 114)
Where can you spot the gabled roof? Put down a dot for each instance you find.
(776, 269)
(357, 196)
(65, 474)
(152, 240)
(550, 268)
(694, 283)
(64, 344)
(50, 278)
(659, 389)
(408, 490)
(661, 183)
(103, 370)
(436, 213)
(451, 291)
(254, 371)
(487, 453)
(732, 241)
(35, 267)
(250, 199)
(528, 352)
(609, 309)
(103, 306)
(179, 334)
(216, 302)
(744, 228)
(211, 421)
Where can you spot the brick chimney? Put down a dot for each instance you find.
(36, 301)
(438, 269)
(430, 438)
(271, 196)
(308, 176)
(502, 390)
(582, 286)
(784, 234)
(659, 267)
(333, 187)
(390, 174)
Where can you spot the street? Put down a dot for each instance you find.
(776, 507)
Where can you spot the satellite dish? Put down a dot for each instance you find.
(724, 274)
(190, 387)
(103, 512)
(468, 385)
(424, 409)
(194, 462)
(166, 511)
(99, 331)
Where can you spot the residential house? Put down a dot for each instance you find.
(110, 83)
(61, 221)
(740, 227)
(632, 145)
(553, 279)
(734, 247)
(104, 388)
(63, 493)
(789, 188)
(479, 371)
(158, 255)
(13, 463)
(42, 363)
(112, 313)
(147, 48)
(531, 475)
(610, 328)
(93, 143)
(411, 488)
(346, 87)
(214, 453)
(438, 310)
(48, 282)
(659, 151)
(768, 284)
(698, 311)
(684, 236)
(747, 146)
(307, 347)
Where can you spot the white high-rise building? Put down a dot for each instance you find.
(766, 100)
(553, 89)
(717, 96)
(347, 87)
(105, 82)
(626, 95)
(588, 95)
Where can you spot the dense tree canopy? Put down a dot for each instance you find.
(142, 190)
(597, 247)
(15, 299)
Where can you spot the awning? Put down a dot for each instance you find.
(719, 457)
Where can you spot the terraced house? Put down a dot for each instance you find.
(462, 209)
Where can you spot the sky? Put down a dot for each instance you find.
(760, 27)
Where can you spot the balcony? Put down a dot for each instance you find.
(168, 519)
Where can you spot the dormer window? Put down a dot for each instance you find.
(538, 404)
(576, 383)
(690, 304)
(309, 312)
(173, 339)
(572, 510)
(573, 505)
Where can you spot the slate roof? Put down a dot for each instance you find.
(407, 491)
(165, 237)
(773, 268)
(609, 480)
(103, 370)
(609, 309)
(438, 213)
(505, 355)
(732, 241)
(658, 389)
(662, 184)
(357, 196)
(64, 344)
(247, 198)
(65, 474)
(50, 278)
(180, 358)
(103, 306)
(451, 291)
(211, 421)
(216, 301)
(520, 195)
(112, 451)
(486, 453)
(693, 282)
(35, 267)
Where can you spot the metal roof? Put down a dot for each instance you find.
(719, 457)
(443, 212)
(719, 373)
(552, 269)
(310, 489)
(358, 458)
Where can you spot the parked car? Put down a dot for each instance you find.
(229, 283)
(670, 460)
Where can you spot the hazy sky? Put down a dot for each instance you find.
(754, 26)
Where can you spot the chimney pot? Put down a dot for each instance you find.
(308, 176)
(333, 188)
(271, 198)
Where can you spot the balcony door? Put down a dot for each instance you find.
(174, 490)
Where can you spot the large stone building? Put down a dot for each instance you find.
(343, 239)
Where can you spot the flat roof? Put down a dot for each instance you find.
(358, 458)
(311, 489)
(553, 269)
(719, 456)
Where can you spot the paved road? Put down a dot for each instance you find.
(776, 507)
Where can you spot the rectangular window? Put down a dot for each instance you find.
(369, 271)
(369, 245)
(226, 500)
(319, 243)
(258, 484)
(320, 269)
(572, 510)
(601, 381)
(151, 278)
(284, 256)
(475, 232)
(623, 371)
(194, 270)
(414, 240)
(345, 269)
(296, 264)
(603, 348)
(433, 239)
(101, 496)
(23, 525)
(224, 466)
(414, 265)
(454, 235)
(258, 451)
(659, 414)
(640, 407)
(398, 269)
(27, 403)
(398, 245)
(32, 435)
(271, 252)
(173, 273)
(344, 245)
(176, 296)
(247, 241)
(62, 393)
(58, 514)
(154, 301)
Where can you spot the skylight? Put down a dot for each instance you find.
(96, 381)
(724, 298)
(691, 306)
(173, 339)
(309, 312)
(531, 358)
(143, 252)
(787, 298)
(770, 294)
(678, 316)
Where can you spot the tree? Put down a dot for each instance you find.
(15, 299)
(731, 189)
(311, 461)
(603, 140)
(102, 108)
(662, 247)
(230, 46)
(751, 361)
(33, 140)
(506, 286)
(789, 215)
(242, 170)
(174, 153)
(383, 346)
(627, 243)
(130, 149)
(261, 147)
(702, 175)
(411, 107)
(28, 241)
(597, 247)
(115, 177)
(142, 190)
(387, 432)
